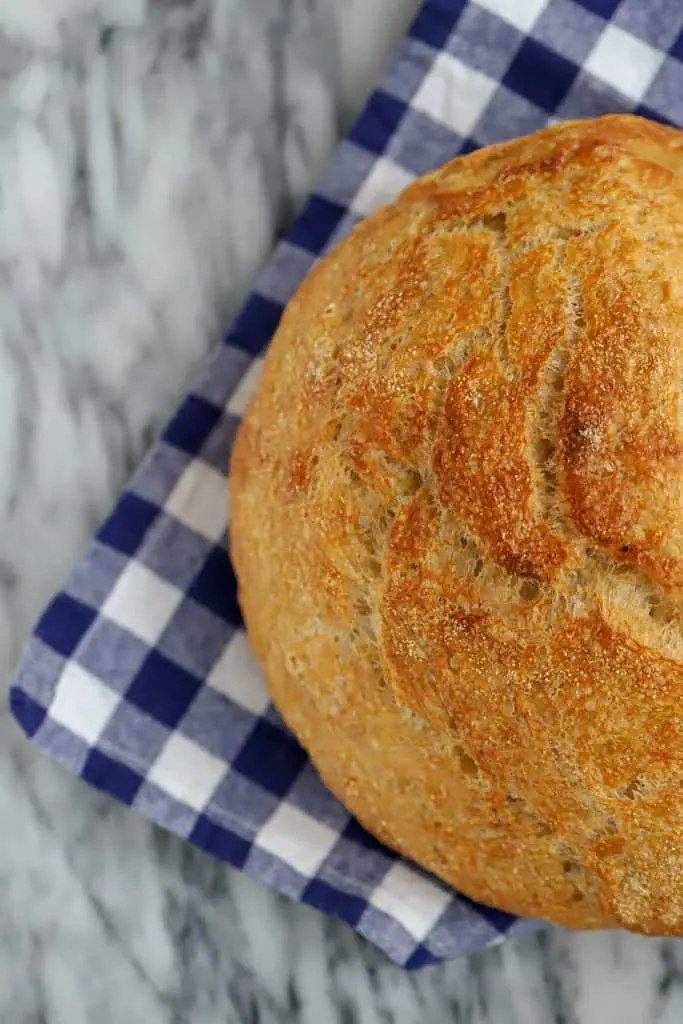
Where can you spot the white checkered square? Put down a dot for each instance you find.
(199, 500)
(412, 899)
(142, 603)
(237, 402)
(236, 675)
(186, 771)
(454, 94)
(296, 838)
(82, 703)
(520, 13)
(627, 64)
(384, 182)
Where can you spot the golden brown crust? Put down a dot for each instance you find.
(457, 523)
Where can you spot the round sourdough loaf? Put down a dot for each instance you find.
(457, 523)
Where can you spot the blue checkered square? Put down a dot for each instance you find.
(215, 587)
(191, 427)
(316, 224)
(654, 115)
(329, 900)
(380, 119)
(540, 75)
(605, 8)
(255, 323)
(110, 775)
(220, 842)
(159, 675)
(271, 757)
(64, 624)
(128, 524)
(421, 957)
(435, 23)
(28, 712)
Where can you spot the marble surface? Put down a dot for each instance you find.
(150, 153)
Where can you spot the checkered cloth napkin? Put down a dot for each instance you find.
(139, 677)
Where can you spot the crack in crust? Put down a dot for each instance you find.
(544, 415)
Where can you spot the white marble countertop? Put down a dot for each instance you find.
(150, 152)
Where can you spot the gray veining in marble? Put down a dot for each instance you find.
(150, 152)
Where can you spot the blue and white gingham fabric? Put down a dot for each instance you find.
(139, 677)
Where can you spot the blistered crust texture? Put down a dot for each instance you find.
(457, 523)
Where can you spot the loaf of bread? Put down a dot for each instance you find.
(457, 523)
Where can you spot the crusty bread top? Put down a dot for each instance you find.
(458, 504)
